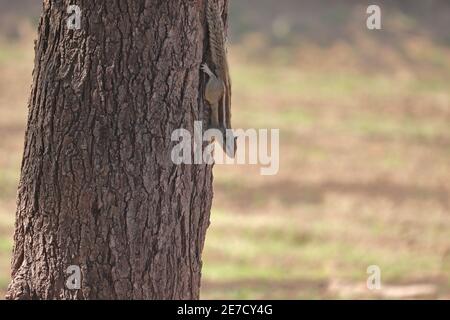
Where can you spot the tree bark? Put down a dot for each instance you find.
(98, 188)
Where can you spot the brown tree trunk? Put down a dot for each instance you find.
(98, 189)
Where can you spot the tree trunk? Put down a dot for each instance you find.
(98, 188)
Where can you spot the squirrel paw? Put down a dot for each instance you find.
(206, 69)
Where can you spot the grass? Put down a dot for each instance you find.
(265, 248)
(288, 81)
(373, 124)
(11, 54)
(6, 227)
(353, 173)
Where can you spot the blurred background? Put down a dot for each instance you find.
(364, 157)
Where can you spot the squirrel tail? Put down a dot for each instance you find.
(229, 142)
(216, 36)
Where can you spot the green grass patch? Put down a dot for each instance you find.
(376, 125)
(8, 183)
(6, 245)
(253, 248)
(11, 53)
(264, 80)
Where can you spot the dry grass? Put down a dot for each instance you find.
(364, 179)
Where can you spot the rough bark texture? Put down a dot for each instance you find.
(98, 188)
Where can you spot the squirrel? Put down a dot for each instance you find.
(218, 87)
